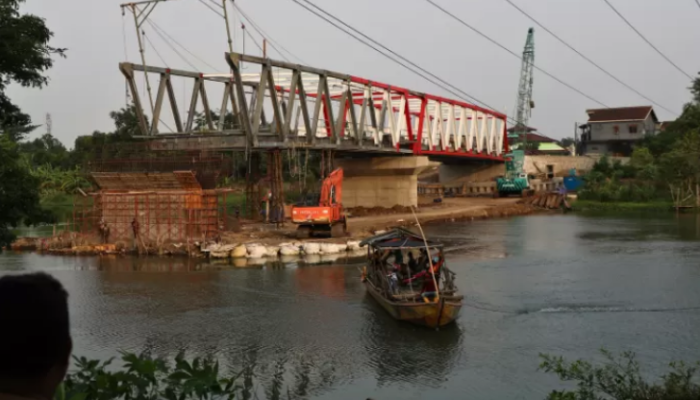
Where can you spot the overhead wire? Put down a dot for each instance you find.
(493, 41)
(250, 36)
(434, 80)
(171, 46)
(697, 2)
(212, 9)
(273, 43)
(606, 72)
(647, 40)
(153, 47)
(164, 32)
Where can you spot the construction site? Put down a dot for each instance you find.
(295, 152)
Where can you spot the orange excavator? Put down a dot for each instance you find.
(322, 213)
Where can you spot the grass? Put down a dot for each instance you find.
(590, 205)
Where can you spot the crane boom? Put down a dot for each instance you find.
(525, 102)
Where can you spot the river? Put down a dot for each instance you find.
(565, 285)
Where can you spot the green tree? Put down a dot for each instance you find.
(46, 150)
(25, 56)
(620, 378)
(566, 142)
(19, 192)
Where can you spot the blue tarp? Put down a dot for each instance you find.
(572, 183)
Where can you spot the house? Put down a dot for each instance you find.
(545, 145)
(663, 125)
(615, 131)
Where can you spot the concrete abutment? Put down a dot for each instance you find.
(381, 181)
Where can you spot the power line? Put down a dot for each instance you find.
(154, 49)
(158, 28)
(647, 40)
(450, 88)
(513, 53)
(606, 72)
(171, 46)
(698, 2)
(273, 43)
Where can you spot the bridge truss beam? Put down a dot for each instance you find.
(315, 108)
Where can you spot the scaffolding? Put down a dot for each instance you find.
(153, 208)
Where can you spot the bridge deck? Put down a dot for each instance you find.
(315, 109)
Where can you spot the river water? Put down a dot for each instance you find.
(564, 285)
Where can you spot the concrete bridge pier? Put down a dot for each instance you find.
(381, 181)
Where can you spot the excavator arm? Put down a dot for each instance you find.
(332, 189)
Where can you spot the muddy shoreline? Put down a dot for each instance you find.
(257, 242)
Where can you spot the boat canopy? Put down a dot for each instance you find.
(398, 238)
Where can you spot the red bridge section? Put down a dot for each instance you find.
(287, 105)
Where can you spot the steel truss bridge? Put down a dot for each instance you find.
(291, 106)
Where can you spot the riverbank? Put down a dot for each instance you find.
(265, 241)
(598, 206)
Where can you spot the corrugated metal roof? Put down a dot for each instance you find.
(131, 181)
(620, 114)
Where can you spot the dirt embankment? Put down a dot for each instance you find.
(362, 222)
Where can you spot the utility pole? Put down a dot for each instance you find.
(48, 123)
(228, 28)
(138, 21)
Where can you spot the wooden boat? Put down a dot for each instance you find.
(410, 303)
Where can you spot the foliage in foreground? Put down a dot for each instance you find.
(620, 378)
(143, 377)
(19, 195)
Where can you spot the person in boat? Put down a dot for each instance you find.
(429, 291)
(412, 264)
(394, 281)
(398, 257)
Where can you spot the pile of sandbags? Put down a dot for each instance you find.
(258, 252)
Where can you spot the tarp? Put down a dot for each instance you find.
(398, 238)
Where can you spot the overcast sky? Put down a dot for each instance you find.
(87, 85)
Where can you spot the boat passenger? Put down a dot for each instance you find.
(412, 264)
(398, 256)
(393, 281)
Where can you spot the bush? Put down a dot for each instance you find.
(620, 378)
(143, 377)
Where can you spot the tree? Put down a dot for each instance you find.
(25, 56)
(566, 142)
(126, 122)
(620, 378)
(19, 192)
(46, 150)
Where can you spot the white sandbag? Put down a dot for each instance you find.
(289, 250)
(353, 245)
(272, 251)
(221, 251)
(342, 247)
(256, 251)
(239, 252)
(329, 248)
(311, 248)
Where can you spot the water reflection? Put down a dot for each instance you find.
(399, 352)
(564, 285)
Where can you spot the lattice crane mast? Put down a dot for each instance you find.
(515, 180)
(525, 102)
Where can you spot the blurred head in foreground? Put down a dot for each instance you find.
(35, 342)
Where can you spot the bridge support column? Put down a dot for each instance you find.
(381, 181)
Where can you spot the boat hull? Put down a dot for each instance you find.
(431, 315)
